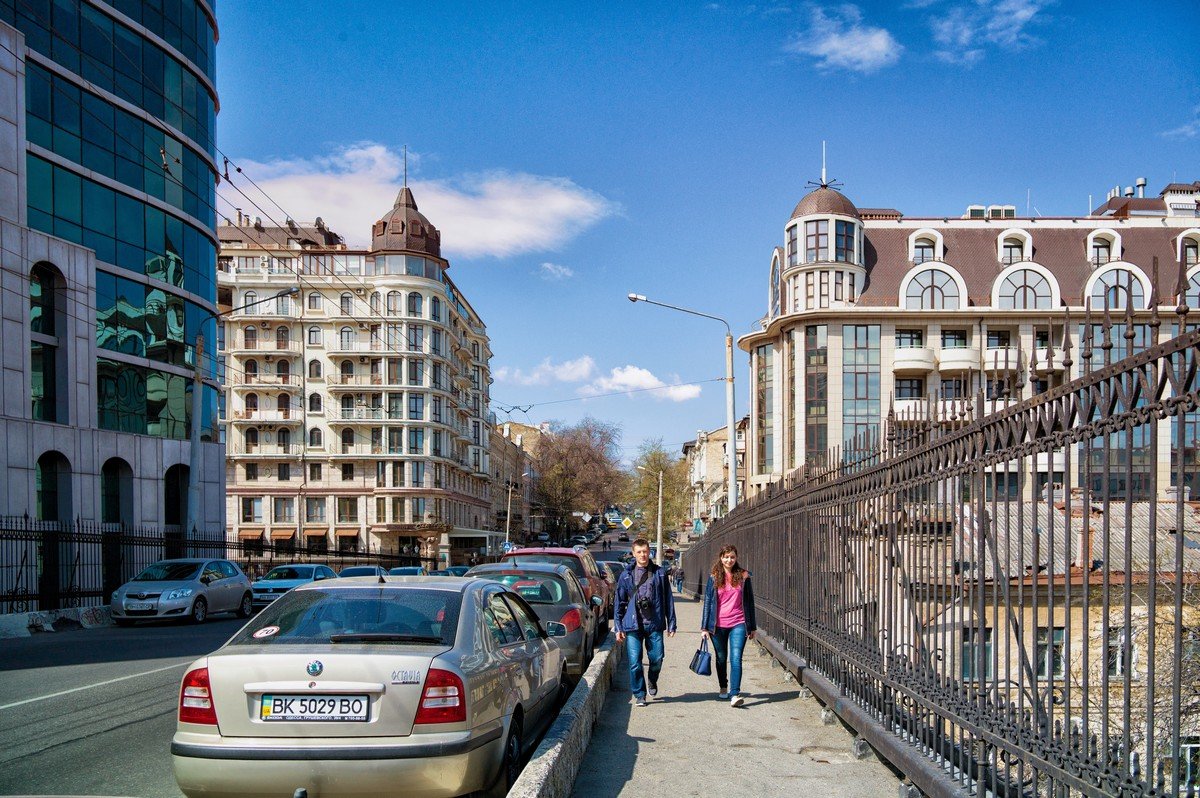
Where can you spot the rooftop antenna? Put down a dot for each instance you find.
(1028, 200)
(406, 166)
(825, 181)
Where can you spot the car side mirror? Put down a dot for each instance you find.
(319, 577)
(206, 579)
(555, 629)
(596, 600)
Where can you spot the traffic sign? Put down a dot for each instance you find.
(627, 523)
(587, 518)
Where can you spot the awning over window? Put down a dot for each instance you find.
(315, 533)
(346, 532)
(282, 534)
(249, 534)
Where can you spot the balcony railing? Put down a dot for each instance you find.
(963, 358)
(265, 380)
(267, 449)
(268, 416)
(913, 359)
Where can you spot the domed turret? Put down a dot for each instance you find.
(825, 200)
(404, 228)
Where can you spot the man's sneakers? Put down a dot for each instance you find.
(641, 701)
(653, 690)
(737, 700)
(722, 695)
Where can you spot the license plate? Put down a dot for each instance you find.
(315, 708)
(138, 605)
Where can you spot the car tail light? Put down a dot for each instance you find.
(443, 699)
(572, 620)
(195, 699)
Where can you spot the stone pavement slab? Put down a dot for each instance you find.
(689, 743)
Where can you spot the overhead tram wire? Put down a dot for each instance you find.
(527, 407)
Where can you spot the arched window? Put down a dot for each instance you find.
(250, 369)
(251, 403)
(250, 299)
(314, 301)
(1193, 291)
(283, 338)
(932, 289)
(414, 304)
(347, 371)
(314, 403)
(251, 439)
(1013, 251)
(284, 404)
(315, 438)
(375, 302)
(314, 336)
(346, 335)
(1025, 289)
(923, 250)
(283, 370)
(346, 303)
(314, 369)
(1112, 290)
(250, 336)
(116, 495)
(347, 407)
(435, 309)
(774, 300)
(283, 305)
(347, 440)
(53, 478)
(285, 439)
(393, 303)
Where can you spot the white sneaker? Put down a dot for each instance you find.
(737, 700)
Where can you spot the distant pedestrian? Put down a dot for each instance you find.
(643, 610)
(678, 578)
(728, 620)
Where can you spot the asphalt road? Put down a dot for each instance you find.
(92, 712)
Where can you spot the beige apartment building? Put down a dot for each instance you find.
(707, 460)
(872, 312)
(355, 410)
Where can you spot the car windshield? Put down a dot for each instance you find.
(169, 572)
(356, 615)
(360, 570)
(406, 570)
(557, 559)
(289, 572)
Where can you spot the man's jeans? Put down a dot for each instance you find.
(728, 645)
(633, 652)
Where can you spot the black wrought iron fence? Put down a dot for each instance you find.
(1009, 602)
(47, 565)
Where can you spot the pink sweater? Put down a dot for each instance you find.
(729, 606)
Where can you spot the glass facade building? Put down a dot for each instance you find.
(116, 107)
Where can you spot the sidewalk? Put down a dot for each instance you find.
(689, 743)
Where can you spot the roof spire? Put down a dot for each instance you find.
(406, 166)
(825, 182)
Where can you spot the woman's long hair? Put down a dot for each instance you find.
(718, 570)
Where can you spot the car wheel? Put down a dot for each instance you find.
(510, 766)
(199, 613)
(246, 608)
(123, 621)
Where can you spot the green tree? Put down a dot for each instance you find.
(642, 488)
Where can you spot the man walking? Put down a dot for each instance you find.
(644, 609)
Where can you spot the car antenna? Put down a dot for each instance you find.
(382, 581)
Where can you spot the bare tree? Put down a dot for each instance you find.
(642, 487)
(578, 469)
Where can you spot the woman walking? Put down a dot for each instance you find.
(728, 620)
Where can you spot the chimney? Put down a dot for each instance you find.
(258, 222)
(1128, 191)
(239, 216)
(1141, 187)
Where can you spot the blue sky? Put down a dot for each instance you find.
(573, 153)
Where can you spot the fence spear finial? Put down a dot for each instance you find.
(1067, 361)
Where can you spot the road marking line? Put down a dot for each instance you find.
(97, 684)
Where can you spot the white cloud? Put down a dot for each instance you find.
(497, 213)
(839, 40)
(962, 32)
(635, 378)
(546, 372)
(553, 271)
(1188, 130)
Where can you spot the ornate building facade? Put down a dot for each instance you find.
(880, 322)
(357, 390)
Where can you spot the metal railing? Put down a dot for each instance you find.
(47, 565)
(1008, 605)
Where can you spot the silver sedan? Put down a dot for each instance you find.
(413, 686)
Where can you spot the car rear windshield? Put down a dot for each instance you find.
(168, 572)
(290, 572)
(356, 615)
(534, 588)
(360, 570)
(558, 559)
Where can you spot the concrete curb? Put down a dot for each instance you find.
(24, 624)
(552, 769)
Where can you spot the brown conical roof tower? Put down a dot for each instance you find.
(405, 229)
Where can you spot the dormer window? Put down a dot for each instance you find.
(816, 240)
(1191, 250)
(1012, 252)
(922, 251)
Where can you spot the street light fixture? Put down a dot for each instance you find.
(729, 405)
(661, 553)
(193, 506)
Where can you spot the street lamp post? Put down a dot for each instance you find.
(729, 405)
(661, 553)
(508, 512)
(193, 505)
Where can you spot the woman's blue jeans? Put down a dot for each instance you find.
(634, 643)
(728, 645)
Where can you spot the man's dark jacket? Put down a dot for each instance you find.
(661, 615)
